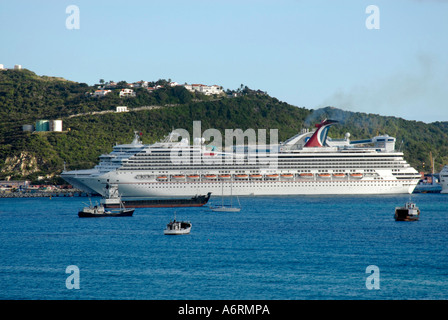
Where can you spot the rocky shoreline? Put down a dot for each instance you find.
(43, 194)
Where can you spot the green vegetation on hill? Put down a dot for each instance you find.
(26, 97)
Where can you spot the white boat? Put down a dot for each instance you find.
(409, 212)
(371, 166)
(177, 227)
(98, 211)
(225, 208)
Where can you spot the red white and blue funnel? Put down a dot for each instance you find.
(320, 135)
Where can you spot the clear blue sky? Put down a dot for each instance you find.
(307, 53)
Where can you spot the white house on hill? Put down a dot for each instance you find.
(127, 93)
(101, 93)
(204, 89)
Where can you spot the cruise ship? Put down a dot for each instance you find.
(444, 179)
(309, 163)
(82, 179)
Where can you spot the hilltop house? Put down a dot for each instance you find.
(140, 84)
(127, 93)
(101, 93)
(204, 89)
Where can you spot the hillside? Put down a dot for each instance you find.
(26, 97)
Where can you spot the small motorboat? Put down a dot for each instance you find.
(177, 227)
(98, 211)
(410, 212)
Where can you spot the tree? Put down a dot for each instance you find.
(122, 84)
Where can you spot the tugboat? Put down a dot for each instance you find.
(410, 212)
(177, 227)
(98, 211)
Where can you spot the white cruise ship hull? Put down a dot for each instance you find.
(260, 189)
(129, 188)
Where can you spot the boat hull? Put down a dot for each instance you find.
(176, 232)
(403, 215)
(196, 201)
(122, 213)
(225, 209)
(177, 228)
(129, 188)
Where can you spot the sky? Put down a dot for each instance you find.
(391, 61)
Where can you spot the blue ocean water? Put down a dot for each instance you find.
(292, 247)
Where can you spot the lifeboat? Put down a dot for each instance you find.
(324, 175)
(193, 177)
(162, 178)
(306, 175)
(179, 177)
(241, 176)
(339, 175)
(287, 175)
(224, 176)
(210, 176)
(256, 176)
(356, 175)
(272, 176)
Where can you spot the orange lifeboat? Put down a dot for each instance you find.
(241, 176)
(339, 175)
(256, 176)
(287, 175)
(162, 178)
(210, 176)
(224, 176)
(306, 175)
(324, 175)
(193, 176)
(272, 176)
(356, 175)
(179, 176)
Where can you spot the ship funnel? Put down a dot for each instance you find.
(137, 135)
(320, 135)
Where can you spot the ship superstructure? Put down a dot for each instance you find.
(308, 163)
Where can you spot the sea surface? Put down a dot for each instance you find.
(292, 247)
